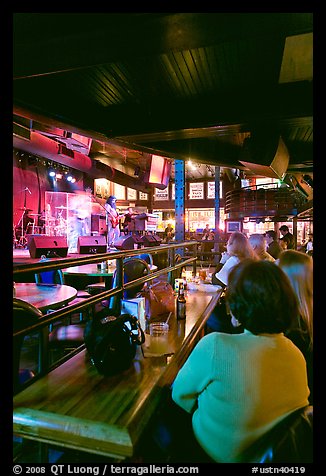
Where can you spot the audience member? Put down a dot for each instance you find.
(298, 267)
(237, 387)
(288, 237)
(283, 244)
(258, 243)
(206, 232)
(208, 238)
(310, 245)
(273, 246)
(238, 248)
(169, 233)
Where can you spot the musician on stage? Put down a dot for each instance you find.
(128, 224)
(112, 220)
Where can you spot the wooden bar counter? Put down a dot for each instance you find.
(75, 407)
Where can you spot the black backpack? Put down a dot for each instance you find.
(112, 342)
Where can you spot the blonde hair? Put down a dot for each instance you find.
(239, 246)
(298, 267)
(258, 243)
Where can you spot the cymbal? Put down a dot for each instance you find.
(62, 207)
(27, 209)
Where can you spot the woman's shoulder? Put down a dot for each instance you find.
(233, 260)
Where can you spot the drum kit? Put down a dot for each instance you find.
(26, 226)
(57, 226)
(37, 223)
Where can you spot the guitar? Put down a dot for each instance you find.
(114, 219)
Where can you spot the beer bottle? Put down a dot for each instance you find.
(181, 302)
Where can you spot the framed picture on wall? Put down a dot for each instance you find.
(196, 191)
(131, 194)
(231, 226)
(119, 191)
(143, 196)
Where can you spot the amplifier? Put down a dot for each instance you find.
(49, 246)
(91, 244)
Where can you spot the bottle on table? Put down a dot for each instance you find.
(181, 302)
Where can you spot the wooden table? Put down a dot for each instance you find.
(45, 296)
(75, 407)
(92, 269)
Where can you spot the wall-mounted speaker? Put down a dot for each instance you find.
(128, 242)
(49, 246)
(159, 172)
(91, 244)
(266, 155)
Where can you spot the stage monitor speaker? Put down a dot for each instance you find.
(49, 246)
(91, 244)
(30, 237)
(151, 240)
(128, 242)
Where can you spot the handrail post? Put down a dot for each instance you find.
(119, 283)
(171, 261)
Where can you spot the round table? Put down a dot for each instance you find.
(89, 270)
(92, 270)
(45, 296)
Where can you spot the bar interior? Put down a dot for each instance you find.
(143, 143)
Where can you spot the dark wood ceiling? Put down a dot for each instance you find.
(182, 85)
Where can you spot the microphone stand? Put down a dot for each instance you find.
(22, 239)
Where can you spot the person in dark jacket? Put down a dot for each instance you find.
(288, 237)
(273, 246)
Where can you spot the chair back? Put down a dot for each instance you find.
(134, 268)
(290, 441)
(24, 315)
(50, 277)
(146, 257)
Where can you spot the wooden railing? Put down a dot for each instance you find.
(53, 264)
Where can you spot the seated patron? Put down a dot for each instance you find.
(258, 243)
(238, 248)
(235, 388)
(273, 246)
(169, 233)
(298, 266)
